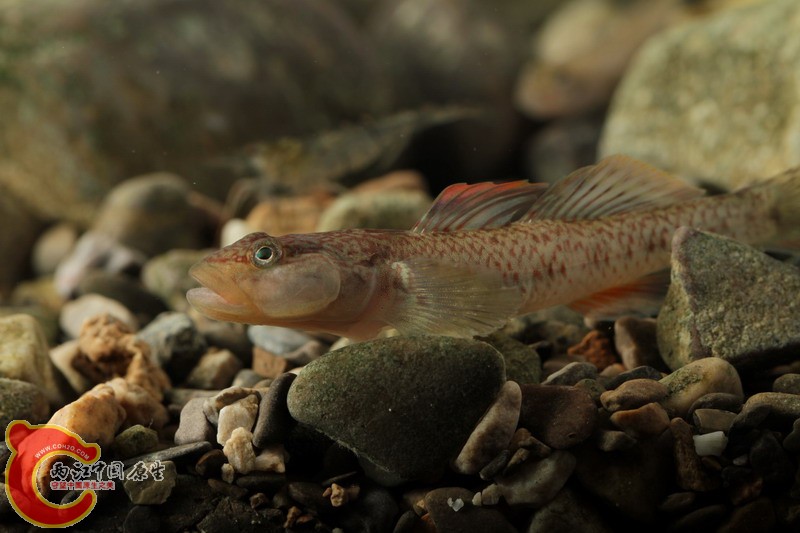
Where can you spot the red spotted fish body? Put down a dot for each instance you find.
(599, 240)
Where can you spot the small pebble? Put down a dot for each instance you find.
(215, 403)
(633, 394)
(697, 379)
(239, 450)
(690, 472)
(268, 364)
(784, 408)
(593, 387)
(710, 443)
(241, 414)
(136, 440)
(596, 348)
(274, 420)
(614, 441)
(495, 466)
(271, 459)
(210, 463)
(246, 378)
(571, 374)
(635, 342)
(641, 372)
(77, 311)
(717, 400)
(711, 420)
(193, 425)
(175, 343)
(787, 383)
(646, 421)
(214, 370)
(792, 441)
(277, 340)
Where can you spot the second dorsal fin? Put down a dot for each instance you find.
(617, 184)
(482, 205)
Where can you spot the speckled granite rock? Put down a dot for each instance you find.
(714, 100)
(370, 397)
(740, 313)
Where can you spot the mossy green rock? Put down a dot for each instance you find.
(405, 404)
(21, 401)
(523, 363)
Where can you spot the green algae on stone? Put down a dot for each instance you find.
(404, 404)
(747, 313)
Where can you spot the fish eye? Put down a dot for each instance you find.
(265, 255)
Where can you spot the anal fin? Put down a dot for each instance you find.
(439, 298)
(641, 297)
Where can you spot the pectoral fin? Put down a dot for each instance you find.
(438, 298)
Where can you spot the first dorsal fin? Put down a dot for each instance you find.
(617, 184)
(482, 205)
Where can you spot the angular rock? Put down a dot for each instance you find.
(371, 396)
(239, 414)
(493, 433)
(239, 450)
(713, 443)
(728, 313)
(710, 420)
(559, 416)
(140, 406)
(24, 355)
(694, 124)
(696, 379)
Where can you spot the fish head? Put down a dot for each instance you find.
(291, 281)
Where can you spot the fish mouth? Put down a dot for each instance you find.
(208, 299)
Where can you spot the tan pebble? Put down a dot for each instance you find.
(140, 406)
(241, 414)
(239, 451)
(697, 379)
(271, 459)
(268, 364)
(648, 420)
(95, 416)
(633, 393)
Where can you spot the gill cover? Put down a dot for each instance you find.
(297, 289)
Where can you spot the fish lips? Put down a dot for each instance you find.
(208, 299)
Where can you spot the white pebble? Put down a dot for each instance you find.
(456, 505)
(239, 451)
(271, 459)
(240, 414)
(710, 443)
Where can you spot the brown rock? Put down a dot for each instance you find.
(559, 416)
(646, 421)
(268, 364)
(634, 393)
(690, 472)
